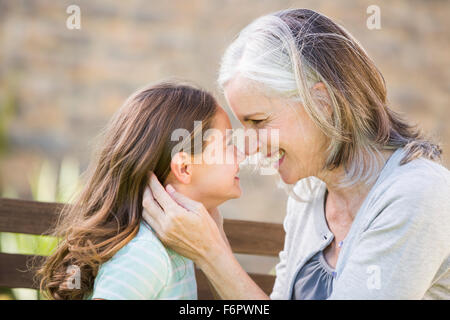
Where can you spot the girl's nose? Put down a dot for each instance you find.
(240, 156)
(252, 146)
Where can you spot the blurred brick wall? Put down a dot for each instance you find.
(67, 83)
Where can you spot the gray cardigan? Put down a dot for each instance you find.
(398, 246)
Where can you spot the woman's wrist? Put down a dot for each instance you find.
(222, 269)
(214, 254)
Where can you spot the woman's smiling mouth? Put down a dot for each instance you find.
(280, 160)
(276, 159)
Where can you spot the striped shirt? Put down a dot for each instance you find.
(145, 270)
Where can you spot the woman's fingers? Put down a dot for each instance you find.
(182, 200)
(151, 206)
(152, 222)
(185, 227)
(160, 195)
(153, 213)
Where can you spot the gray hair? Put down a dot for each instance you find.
(285, 53)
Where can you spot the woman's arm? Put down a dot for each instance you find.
(229, 279)
(186, 226)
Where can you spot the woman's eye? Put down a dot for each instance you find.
(256, 122)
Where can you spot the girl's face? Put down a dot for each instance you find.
(211, 176)
(301, 145)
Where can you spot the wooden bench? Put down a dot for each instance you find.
(31, 217)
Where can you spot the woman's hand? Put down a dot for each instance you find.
(183, 224)
(218, 219)
(187, 227)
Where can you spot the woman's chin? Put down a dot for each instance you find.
(287, 177)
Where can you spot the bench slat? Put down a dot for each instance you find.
(13, 271)
(24, 216)
(248, 237)
(14, 275)
(257, 238)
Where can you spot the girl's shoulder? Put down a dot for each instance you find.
(148, 235)
(145, 245)
(139, 270)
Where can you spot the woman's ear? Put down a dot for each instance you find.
(181, 167)
(320, 94)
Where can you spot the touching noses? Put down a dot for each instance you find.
(240, 156)
(251, 143)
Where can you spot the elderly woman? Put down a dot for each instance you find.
(373, 221)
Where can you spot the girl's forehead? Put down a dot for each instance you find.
(221, 120)
(220, 128)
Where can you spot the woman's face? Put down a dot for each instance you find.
(212, 175)
(301, 145)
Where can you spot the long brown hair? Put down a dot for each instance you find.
(106, 214)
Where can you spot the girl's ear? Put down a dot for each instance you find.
(181, 167)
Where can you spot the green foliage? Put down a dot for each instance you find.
(7, 112)
(46, 185)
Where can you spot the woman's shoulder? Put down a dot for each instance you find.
(417, 191)
(418, 179)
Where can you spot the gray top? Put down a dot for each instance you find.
(398, 246)
(314, 281)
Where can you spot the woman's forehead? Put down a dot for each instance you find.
(246, 101)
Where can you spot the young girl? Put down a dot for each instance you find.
(114, 253)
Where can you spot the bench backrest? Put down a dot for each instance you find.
(32, 217)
